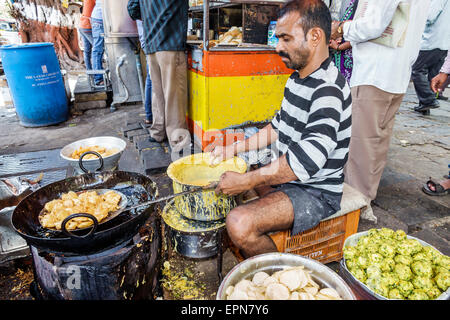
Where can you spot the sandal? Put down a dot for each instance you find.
(438, 189)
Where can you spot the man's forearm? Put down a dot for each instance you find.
(277, 172)
(264, 137)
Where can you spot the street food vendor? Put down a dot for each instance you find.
(311, 134)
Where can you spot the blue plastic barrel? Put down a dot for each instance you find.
(36, 84)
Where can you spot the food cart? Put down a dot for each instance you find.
(237, 83)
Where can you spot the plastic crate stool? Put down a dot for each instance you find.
(324, 242)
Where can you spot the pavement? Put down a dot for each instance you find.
(420, 148)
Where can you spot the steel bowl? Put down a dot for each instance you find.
(272, 262)
(109, 163)
(353, 241)
(205, 205)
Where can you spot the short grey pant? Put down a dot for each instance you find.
(310, 205)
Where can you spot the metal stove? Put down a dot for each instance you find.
(128, 271)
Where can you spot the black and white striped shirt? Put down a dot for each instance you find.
(314, 128)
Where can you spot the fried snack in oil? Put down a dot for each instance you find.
(87, 202)
(104, 152)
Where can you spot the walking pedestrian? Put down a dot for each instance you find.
(85, 30)
(165, 30)
(433, 50)
(380, 77)
(98, 47)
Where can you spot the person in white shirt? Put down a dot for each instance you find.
(434, 46)
(380, 77)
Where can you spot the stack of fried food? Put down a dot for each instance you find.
(231, 37)
(104, 152)
(99, 205)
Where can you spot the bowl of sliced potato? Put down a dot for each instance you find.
(283, 276)
(109, 148)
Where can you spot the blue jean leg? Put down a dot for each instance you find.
(98, 47)
(86, 37)
(148, 97)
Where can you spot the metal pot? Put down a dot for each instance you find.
(272, 262)
(204, 206)
(109, 163)
(138, 188)
(190, 238)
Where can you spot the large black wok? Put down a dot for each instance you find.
(138, 188)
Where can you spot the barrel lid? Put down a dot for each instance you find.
(26, 45)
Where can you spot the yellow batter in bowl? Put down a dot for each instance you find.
(194, 171)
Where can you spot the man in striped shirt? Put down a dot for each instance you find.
(311, 132)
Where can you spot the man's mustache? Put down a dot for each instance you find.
(283, 54)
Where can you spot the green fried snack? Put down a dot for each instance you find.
(431, 252)
(375, 258)
(422, 283)
(422, 256)
(362, 262)
(387, 265)
(372, 247)
(438, 269)
(442, 280)
(373, 271)
(350, 253)
(403, 272)
(386, 233)
(406, 260)
(351, 263)
(359, 274)
(443, 261)
(418, 294)
(377, 286)
(390, 279)
(422, 268)
(364, 241)
(387, 250)
(398, 267)
(405, 287)
(399, 235)
(373, 233)
(408, 247)
(433, 292)
(395, 294)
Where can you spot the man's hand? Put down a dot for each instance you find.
(437, 83)
(334, 30)
(233, 183)
(334, 44)
(221, 153)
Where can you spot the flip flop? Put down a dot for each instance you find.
(439, 190)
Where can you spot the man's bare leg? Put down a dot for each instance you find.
(248, 224)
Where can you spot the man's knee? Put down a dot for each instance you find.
(239, 226)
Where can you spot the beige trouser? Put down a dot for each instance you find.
(168, 72)
(373, 114)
